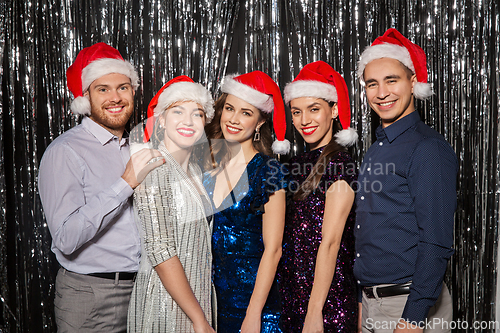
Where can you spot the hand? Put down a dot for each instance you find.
(138, 168)
(405, 327)
(313, 322)
(203, 327)
(251, 324)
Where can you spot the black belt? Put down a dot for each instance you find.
(112, 276)
(388, 291)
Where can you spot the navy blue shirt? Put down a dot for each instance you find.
(405, 208)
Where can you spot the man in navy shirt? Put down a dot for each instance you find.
(406, 199)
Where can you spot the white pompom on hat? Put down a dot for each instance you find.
(320, 80)
(90, 64)
(392, 44)
(179, 89)
(258, 89)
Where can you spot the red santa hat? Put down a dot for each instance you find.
(392, 44)
(92, 63)
(320, 80)
(179, 89)
(259, 90)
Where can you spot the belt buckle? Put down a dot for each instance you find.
(387, 291)
(369, 292)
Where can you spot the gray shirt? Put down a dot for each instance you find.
(87, 204)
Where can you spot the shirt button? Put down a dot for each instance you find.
(368, 169)
(359, 282)
(358, 226)
(357, 255)
(362, 197)
(381, 144)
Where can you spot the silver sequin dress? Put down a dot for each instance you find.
(171, 215)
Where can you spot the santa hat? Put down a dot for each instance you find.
(259, 90)
(320, 80)
(179, 89)
(392, 44)
(92, 63)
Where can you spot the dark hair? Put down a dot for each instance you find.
(332, 148)
(219, 151)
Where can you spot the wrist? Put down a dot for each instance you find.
(253, 311)
(314, 308)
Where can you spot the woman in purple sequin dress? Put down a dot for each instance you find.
(317, 284)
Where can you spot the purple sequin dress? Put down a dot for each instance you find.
(302, 238)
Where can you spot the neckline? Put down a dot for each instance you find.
(198, 189)
(231, 192)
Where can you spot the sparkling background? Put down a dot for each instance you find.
(206, 39)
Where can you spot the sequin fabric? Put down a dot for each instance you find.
(300, 245)
(172, 219)
(237, 245)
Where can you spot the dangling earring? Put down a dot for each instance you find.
(256, 136)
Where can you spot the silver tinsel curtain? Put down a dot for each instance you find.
(207, 39)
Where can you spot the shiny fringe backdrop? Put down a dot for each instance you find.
(206, 39)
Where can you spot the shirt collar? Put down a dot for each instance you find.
(399, 127)
(100, 133)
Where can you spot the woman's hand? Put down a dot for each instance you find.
(313, 322)
(251, 324)
(203, 327)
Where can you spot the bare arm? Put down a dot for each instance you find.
(338, 203)
(273, 224)
(174, 279)
(360, 318)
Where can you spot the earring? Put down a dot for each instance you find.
(256, 136)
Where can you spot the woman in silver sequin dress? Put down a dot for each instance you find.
(172, 291)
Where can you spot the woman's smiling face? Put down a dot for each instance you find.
(239, 120)
(184, 124)
(312, 117)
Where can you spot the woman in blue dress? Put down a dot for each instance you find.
(246, 187)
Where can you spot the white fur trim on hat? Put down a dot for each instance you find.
(422, 90)
(104, 66)
(385, 50)
(184, 92)
(81, 105)
(310, 88)
(281, 147)
(252, 96)
(135, 147)
(346, 137)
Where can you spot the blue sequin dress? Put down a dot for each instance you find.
(303, 223)
(238, 246)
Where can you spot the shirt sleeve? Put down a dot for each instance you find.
(432, 184)
(155, 208)
(270, 178)
(74, 219)
(340, 167)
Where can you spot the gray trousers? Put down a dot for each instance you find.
(89, 304)
(381, 315)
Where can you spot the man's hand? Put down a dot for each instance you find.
(138, 168)
(405, 327)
